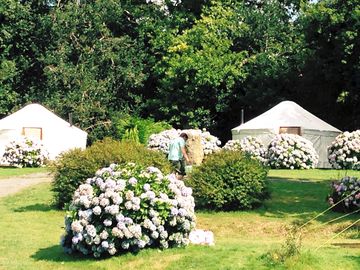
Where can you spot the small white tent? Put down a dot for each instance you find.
(289, 117)
(35, 121)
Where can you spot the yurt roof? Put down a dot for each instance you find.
(286, 114)
(35, 115)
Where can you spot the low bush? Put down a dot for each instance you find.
(345, 194)
(24, 152)
(128, 208)
(344, 152)
(229, 180)
(73, 168)
(290, 151)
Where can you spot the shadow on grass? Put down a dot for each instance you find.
(299, 199)
(41, 207)
(354, 258)
(56, 254)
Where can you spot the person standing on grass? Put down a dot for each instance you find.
(177, 154)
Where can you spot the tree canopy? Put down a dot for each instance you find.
(190, 63)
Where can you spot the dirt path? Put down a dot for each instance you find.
(15, 184)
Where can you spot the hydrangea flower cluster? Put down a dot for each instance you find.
(24, 152)
(344, 152)
(290, 151)
(348, 188)
(128, 208)
(250, 145)
(162, 140)
(209, 142)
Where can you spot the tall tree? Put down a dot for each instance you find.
(93, 65)
(330, 80)
(229, 59)
(22, 43)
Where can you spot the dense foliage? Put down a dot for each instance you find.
(128, 208)
(229, 180)
(344, 151)
(137, 129)
(185, 62)
(290, 151)
(73, 168)
(345, 194)
(24, 152)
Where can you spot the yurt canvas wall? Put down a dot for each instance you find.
(289, 117)
(37, 122)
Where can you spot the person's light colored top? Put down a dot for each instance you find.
(175, 147)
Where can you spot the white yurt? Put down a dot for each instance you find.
(289, 117)
(36, 122)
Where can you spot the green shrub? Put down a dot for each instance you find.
(74, 167)
(137, 129)
(229, 180)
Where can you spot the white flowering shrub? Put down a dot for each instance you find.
(290, 151)
(344, 152)
(210, 143)
(24, 152)
(250, 145)
(128, 208)
(232, 145)
(345, 194)
(162, 140)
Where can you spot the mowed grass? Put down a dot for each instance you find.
(30, 230)
(315, 174)
(6, 172)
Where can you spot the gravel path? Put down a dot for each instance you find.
(15, 184)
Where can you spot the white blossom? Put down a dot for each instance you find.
(107, 208)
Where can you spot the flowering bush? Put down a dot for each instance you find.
(290, 151)
(72, 168)
(348, 190)
(250, 145)
(128, 208)
(162, 140)
(24, 153)
(344, 152)
(209, 142)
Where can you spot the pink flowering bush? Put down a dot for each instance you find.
(348, 188)
(344, 152)
(24, 152)
(290, 151)
(128, 208)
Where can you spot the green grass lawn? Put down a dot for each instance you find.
(6, 172)
(30, 230)
(315, 174)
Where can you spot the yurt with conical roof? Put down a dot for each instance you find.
(289, 117)
(36, 122)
